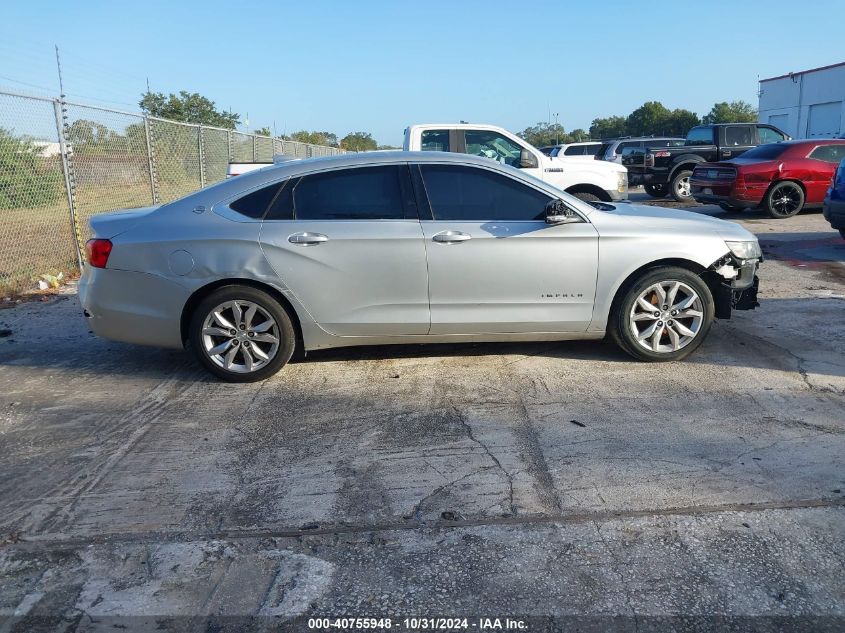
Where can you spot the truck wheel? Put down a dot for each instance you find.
(680, 188)
(241, 334)
(655, 191)
(664, 315)
(784, 200)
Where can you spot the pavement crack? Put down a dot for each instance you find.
(471, 435)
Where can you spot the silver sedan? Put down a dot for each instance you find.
(404, 247)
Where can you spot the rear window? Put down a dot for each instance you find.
(700, 136)
(766, 152)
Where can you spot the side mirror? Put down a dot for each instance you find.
(527, 160)
(558, 213)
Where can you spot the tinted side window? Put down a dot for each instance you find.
(700, 136)
(473, 194)
(435, 141)
(628, 144)
(739, 136)
(282, 207)
(829, 153)
(591, 150)
(576, 150)
(768, 135)
(254, 205)
(365, 193)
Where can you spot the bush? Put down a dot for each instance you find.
(26, 179)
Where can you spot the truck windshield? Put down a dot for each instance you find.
(700, 136)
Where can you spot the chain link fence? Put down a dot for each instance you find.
(61, 163)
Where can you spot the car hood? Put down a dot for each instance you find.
(661, 218)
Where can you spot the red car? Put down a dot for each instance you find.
(782, 178)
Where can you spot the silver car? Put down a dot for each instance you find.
(405, 247)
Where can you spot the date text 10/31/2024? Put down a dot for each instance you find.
(418, 623)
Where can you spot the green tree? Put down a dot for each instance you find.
(263, 131)
(188, 107)
(544, 134)
(610, 127)
(733, 112)
(679, 122)
(315, 138)
(651, 117)
(577, 135)
(26, 179)
(359, 142)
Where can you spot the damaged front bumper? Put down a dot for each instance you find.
(735, 285)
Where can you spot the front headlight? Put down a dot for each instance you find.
(745, 250)
(622, 183)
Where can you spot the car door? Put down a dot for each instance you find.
(348, 244)
(738, 139)
(494, 264)
(824, 160)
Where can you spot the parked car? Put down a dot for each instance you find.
(667, 170)
(401, 247)
(548, 149)
(783, 178)
(834, 201)
(584, 149)
(611, 151)
(588, 180)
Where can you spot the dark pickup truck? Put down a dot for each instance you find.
(667, 169)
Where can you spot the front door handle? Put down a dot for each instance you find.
(451, 237)
(307, 239)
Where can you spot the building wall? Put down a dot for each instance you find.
(806, 105)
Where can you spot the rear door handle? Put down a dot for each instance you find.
(307, 239)
(451, 237)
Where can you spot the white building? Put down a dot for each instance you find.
(806, 104)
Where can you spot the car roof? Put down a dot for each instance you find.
(272, 173)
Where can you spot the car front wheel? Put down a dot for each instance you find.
(664, 315)
(241, 334)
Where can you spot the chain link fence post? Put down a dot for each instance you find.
(66, 150)
(201, 157)
(152, 161)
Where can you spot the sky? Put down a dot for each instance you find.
(378, 66)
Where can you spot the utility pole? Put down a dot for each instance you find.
(557, 132)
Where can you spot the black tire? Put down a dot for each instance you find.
(784, 200)
(587, 197)
(655, 191)
(620, 324)
(283, 332)
(730, 208)
(679, 188)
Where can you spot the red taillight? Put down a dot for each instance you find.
(649, 160)
(97, 252)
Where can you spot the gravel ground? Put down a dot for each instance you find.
(559, 484)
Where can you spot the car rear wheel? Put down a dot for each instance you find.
(663, 316)
(241, 334)
(680, 187)
(784, 200)
(655, 191)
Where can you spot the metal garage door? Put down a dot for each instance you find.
(824, 119)
(780, 121)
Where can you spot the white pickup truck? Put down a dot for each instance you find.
(589, 180)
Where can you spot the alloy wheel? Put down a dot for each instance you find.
(683, 187)
(666, 316)
(786, 200)
(240, 336)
